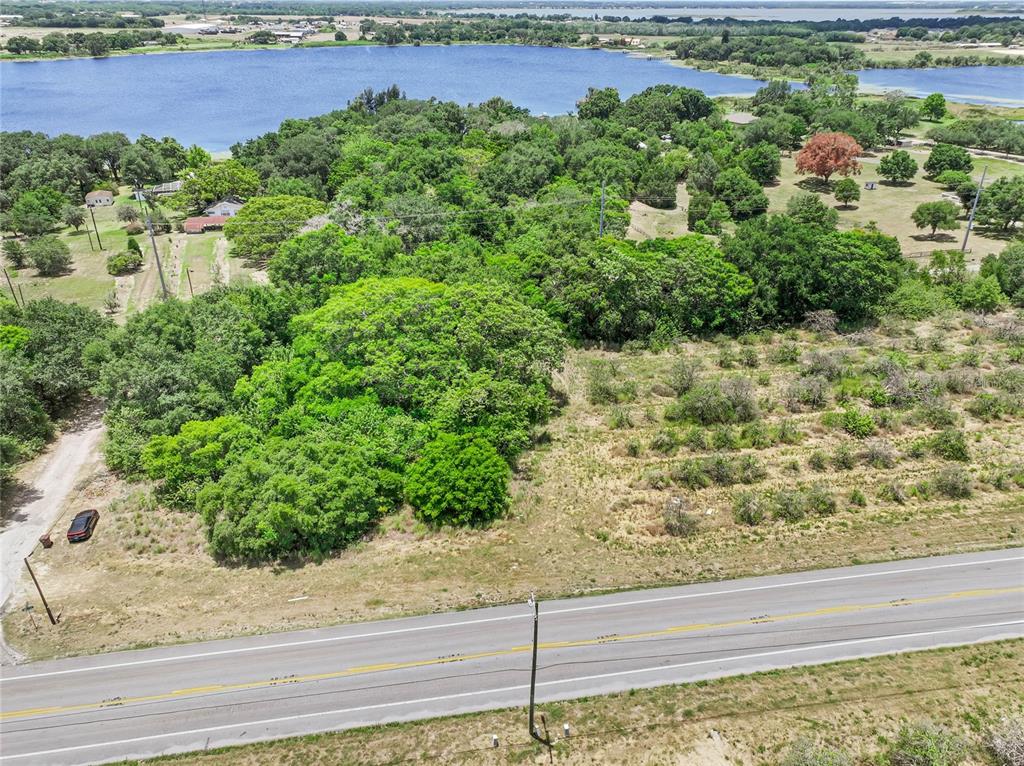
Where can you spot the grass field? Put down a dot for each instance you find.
(589, 501)
(749, 720)
(88, 283)
(890, 206)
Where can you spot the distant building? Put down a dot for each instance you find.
(99, 198)
(161, 190)
(200, 223)
(225, 207)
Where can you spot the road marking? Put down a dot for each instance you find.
(405, 665)
(504, 618)
(519, 687)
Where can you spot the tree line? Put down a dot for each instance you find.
(89, 44)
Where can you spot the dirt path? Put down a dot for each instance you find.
(48, 483)
(221, 265)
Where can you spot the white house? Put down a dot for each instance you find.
(225, 207)
(99, 198)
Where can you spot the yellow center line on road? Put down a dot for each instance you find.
(361, 669)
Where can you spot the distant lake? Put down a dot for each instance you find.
(215, 99)
(805, 11)
(999, 85)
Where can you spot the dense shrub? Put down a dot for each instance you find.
(858, 424)
(730, 400)
(679, 522)
(458, 480)
(926, 744)
(124, 262)
(953, 482)
(951, 444)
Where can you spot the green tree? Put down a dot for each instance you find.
(1008, 268)
(951, 179)
(846, 191)
(740, 193)
(1002, 204)
(19, 44)
(211, 183)
(31, 215)
(934, 107)
(14, 251)
(73, 215)
(657, 186)
(127, 212)
(311, 494)
(49, 255)
(599, 104)
(458, 480)
(324, 258)
(808, 208)
(196, 157)
(936, 215)
(948, 157)
(897, 166)
(105, 150)
(983, 294)
(265, 222)
(763, 162)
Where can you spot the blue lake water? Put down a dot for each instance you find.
(1000, 85)
(215, 99)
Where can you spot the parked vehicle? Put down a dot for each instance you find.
(82, 526)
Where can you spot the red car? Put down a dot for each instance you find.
(83, 525)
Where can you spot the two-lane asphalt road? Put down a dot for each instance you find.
(173, 699)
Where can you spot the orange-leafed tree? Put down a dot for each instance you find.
(828, 154)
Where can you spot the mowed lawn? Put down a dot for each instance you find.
(889, 207)
(88, 283)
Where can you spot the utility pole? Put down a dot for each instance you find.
(97, 228)
(156, 254)
(11, 285)
(600, 227)
(188, 275)
(53, 620)
(974, 207)
(534, 729)
(88, 233)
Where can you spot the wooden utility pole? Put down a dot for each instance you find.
(156, 254)
(99, 242)
(53, 620)
(534, 729)
(10, 284)
(188, 275)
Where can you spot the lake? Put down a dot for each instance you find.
(998, 85)
(215, 99)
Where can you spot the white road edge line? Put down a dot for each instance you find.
(519, 687)
(504, 618)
